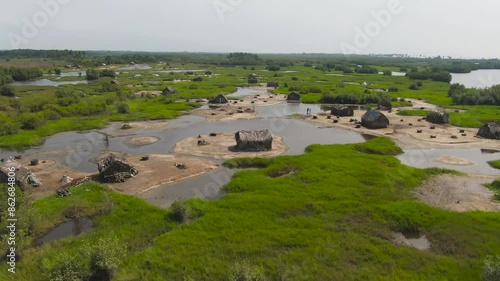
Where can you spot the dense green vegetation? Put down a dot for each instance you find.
(464, 96)
(319, 221)
(495, 164)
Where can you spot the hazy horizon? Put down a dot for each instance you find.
(460, 29)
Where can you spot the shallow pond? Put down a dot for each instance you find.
(477, 79)
(136, 67)
(73, 227)
(47, 82)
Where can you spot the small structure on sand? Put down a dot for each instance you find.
(374, 119)
(293, 97)
(220, 99)
(342, 110)
(254, 140)
(169, 91)
(114, 169)
(23, 176)
(490, 130)
(252, 79)
(272, 84)
(438, 117)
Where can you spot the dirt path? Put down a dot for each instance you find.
(458, 193)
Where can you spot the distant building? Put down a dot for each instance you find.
(293, 97)
(342, 110)
(169, 91)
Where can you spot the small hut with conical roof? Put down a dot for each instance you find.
(374, 119)
(490, 130)
(220, 99)
(438, 117)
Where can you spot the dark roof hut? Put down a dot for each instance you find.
(272, 84)
(293, 97)
(169, 90)
(219, 99)
(254, 140)
(209, 72)
(438, 117)
(490, 130)
(374, 119)
(114, 169)
(24, 178)
(342, 110)
(252, 78)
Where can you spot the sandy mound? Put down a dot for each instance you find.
(458, 193)
(139, 141)
(454, 160)
(161, 169)
(221, 147)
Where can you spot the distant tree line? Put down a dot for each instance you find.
(355, 98)
(435, 75)
(243, 59)
(473, 96)
(69, 55)
(11, 74)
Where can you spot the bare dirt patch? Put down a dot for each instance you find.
(161, 169)
(410, 131)
(140, 141)
(454, 160)
(458, 193)
(49, 172)
(221, 147)
(226, 113)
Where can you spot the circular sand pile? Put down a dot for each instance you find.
(454, 160)
(143, 140)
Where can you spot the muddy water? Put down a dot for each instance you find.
(416, 240)
(73, 227)
(47, 82)
(426, 158)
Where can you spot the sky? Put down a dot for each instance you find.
(457, 28)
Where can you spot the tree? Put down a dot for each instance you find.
(7, 91)
(123, 108)
(108, 73)
(387, 73)
(57, 71)
(92, 74)
(273, 67)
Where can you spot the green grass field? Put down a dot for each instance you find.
(324, 215)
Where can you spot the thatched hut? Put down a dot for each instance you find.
(374, 119)
(169, 90)
(220, 99)
(490, 130)
(438, 117)
(293, 97)
(114, 169)
(252, 79)
(24, 178)
(342, 110)
(272, 84)
(254, 140)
